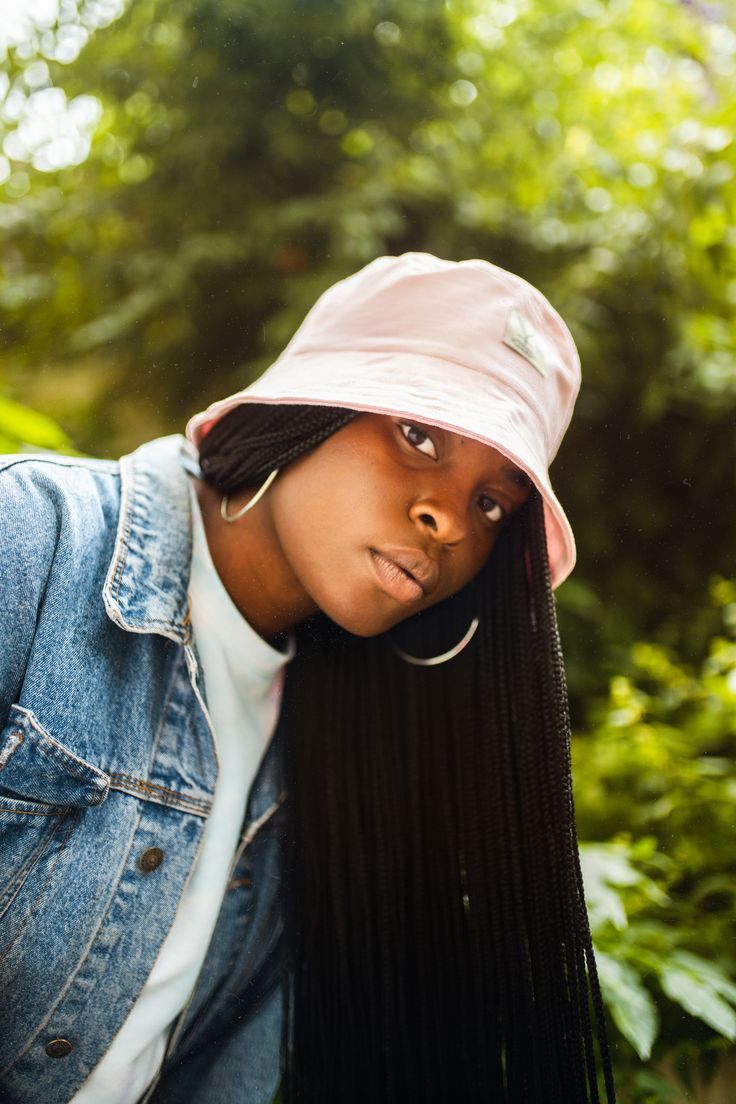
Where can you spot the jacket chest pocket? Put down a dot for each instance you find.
(43, 789)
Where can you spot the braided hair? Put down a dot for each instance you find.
(437, 941)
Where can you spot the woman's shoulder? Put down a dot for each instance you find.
(52, 504)
(42, 492)
(42, 469)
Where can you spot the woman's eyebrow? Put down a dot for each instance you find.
(516, 476)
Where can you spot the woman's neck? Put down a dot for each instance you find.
(248, 558)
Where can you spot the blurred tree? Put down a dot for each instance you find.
(181, 179)
(246, 155)
(654, 784)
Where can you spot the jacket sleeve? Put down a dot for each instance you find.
(29, 534)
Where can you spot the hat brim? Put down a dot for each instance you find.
(373, 382)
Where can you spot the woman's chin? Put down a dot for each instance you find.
(370, 621)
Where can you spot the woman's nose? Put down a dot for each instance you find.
(446, 525)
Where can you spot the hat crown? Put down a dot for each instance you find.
(468, 314)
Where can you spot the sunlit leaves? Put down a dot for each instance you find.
(656, 774)
(698, 993)
(22, 428)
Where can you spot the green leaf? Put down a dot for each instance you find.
(699, 998)
(19, 426)
(606, 870)
(707, 972)
(629, 1003)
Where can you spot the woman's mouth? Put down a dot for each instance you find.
(397, 582)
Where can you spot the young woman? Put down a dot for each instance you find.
(284, 773)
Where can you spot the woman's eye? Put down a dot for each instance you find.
(491, 508)
(420, 440)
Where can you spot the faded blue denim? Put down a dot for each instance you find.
(105, 752)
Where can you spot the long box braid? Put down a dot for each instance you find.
(437, 942)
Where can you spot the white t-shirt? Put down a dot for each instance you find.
(243, 676)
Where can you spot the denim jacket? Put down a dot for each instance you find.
(107, 770)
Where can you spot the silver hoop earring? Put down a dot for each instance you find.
(249, 505)
(434, 661)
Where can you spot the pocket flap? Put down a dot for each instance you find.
(36, 767)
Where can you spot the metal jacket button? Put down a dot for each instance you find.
(59, 1048)
(151, 859)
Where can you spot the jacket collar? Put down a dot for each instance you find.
(146, 589)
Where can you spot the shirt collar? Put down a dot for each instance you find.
(147, 582)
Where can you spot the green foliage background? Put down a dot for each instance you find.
(248, 153)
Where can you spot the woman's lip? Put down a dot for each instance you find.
(394, 580)
(414, 562)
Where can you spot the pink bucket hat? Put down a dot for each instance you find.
(461, 345)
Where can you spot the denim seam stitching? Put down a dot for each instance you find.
(104, 467)
(122, 552)
(155, 786)
(32, 812)
(58, 754)
(39, 895)
(16, 885)
(71, 982)
(14, 1061)
(174, 675)
(166, 797)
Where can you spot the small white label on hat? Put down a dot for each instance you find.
(521, 336)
